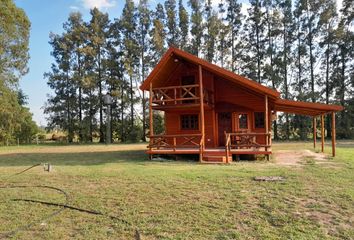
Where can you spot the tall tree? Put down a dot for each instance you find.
(144, 47)
(77, 35)
(130, 52)
(255, 27)
(98, 34)
(14, 38)
(183, 25)
(158, 34)
(234, 18)
(196, 25)
(327, 22)
(172, 26)
(212, 24)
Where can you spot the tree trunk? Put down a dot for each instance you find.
(100, 95)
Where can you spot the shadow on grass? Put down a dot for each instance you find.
(72, 159)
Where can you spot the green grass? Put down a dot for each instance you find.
(177, 200)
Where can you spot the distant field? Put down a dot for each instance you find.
(176, 200)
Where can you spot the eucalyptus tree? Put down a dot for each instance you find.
(130, 51)
(256, 38)
(212, 24)
(77, 33)
(171, 23)
(144, 17)
(158, 34)
(97, 45)
(197, 26)
(183, 25)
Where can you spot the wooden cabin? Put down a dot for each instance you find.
(215, 113)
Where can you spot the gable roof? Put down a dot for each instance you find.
(175, 52)
(298, 107)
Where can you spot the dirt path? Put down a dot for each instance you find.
(299, 157)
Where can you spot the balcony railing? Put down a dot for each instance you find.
(177, 95)
(173, 142)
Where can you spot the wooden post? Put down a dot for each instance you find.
(333, 134)
(266, 121)
(322, 133)
(201, 96)
(151, 118)
(314, 132)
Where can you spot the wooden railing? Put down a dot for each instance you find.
(185, 94)
(245, 140)
(173, 142)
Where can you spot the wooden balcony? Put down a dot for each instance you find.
(173, 97)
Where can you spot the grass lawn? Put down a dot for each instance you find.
(176, 200)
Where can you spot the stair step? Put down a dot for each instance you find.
(213, 158)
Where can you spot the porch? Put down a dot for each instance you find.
(235, 144)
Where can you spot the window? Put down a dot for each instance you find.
(190, 122)
(259, 119)
(243, 121)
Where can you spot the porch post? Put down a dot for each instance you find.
(151, 118)
(266, 117)
(201, 96)
(266, 122)
(333, 134)
(322, 133)
(314, 132)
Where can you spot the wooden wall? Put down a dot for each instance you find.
(228, 97)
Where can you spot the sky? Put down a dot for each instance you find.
(48, 16)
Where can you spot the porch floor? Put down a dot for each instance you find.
(260, 150)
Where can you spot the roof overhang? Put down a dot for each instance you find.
(305, 108)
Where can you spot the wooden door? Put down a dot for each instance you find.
(224, 125)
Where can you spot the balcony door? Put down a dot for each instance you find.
(224, 125)
(188, 92)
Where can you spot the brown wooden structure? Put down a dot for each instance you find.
(215, 113)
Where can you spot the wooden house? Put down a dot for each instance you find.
(216, 113)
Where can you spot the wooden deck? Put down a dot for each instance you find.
(209, 150)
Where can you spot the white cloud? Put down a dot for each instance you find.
(74, 8)
(100, 4)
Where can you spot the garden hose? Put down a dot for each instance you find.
(55, 213)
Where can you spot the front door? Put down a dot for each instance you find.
(224, 125)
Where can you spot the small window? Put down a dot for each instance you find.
(189, 122)
(243, 121)
(259, 119)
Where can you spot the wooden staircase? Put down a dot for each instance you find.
(215, 157)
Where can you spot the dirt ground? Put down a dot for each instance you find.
(300, 157)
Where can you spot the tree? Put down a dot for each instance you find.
(77, 34)
(158, 34)
(196, 26)
(171, 23)
(14, 37)
(183, 26)
(98, 39)
(255, 30)
(234, 18)
(130, 49)
(327, 22)
(212, 24)
(144, 47)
